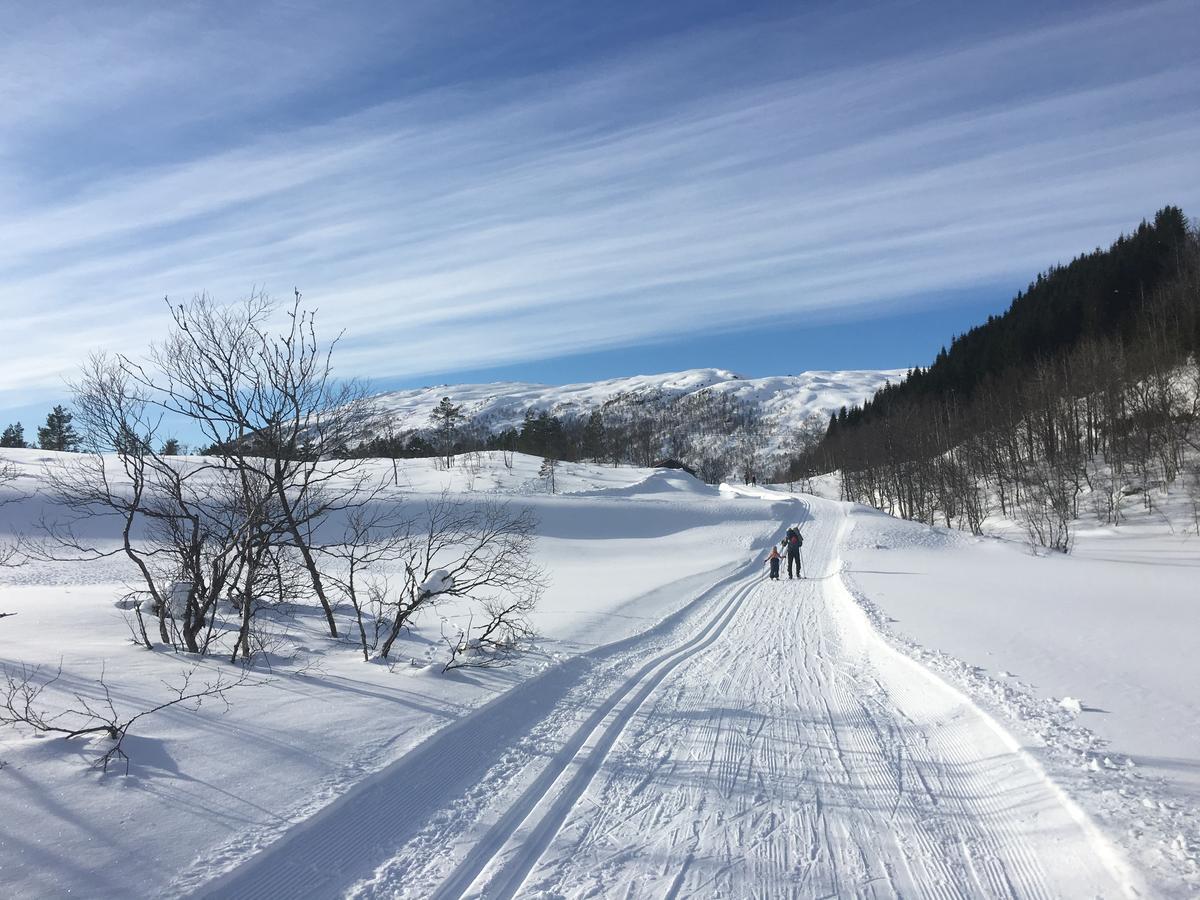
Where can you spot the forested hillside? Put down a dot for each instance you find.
(1087, 383)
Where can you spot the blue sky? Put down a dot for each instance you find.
(573, 190)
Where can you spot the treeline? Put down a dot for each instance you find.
(714, 434)
(57, 434)
(1087, 385)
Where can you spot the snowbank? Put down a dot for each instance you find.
(1090, 656)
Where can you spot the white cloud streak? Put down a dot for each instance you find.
(620, 201)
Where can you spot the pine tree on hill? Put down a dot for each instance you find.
(593, 437)
(446, 418)
(1101, 294)
(58, 433)
(1019, 410)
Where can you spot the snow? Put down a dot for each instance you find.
(438, 582)
(1116, 622)
(682, 726)
(1071, 705)
(1120, 632)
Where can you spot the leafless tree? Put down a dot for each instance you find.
(238, 523)
(375, 538)
(253, 525)
(480, 553)
(271, 408)
(194, 530)
(22, 705)
(8, 477)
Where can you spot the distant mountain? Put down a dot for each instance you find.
(778, 404)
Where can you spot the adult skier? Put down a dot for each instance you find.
(792, 542)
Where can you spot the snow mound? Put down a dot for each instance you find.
(663, 483)
(438, 582)
(1072, 705)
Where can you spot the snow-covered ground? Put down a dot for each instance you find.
(1092, 653)
(1112, 625)
(683, 727)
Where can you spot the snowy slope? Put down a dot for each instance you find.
(785, 401)
(208, 788)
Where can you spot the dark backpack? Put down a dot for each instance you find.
(794, 538)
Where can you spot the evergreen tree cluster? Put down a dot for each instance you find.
(1100, 296)
(13, 436)
(57, 434)
(1093, 366)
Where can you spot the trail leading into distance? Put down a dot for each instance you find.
(775, 747)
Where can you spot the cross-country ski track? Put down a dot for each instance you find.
(765, 741)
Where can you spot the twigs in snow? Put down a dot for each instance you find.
(496, 641)
(22, 704)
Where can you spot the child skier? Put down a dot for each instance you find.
(773, 560)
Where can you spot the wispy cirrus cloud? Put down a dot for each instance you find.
(477, 212)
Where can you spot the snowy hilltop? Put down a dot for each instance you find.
(778, 406)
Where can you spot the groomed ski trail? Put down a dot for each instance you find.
(781, 749)
(325, 855)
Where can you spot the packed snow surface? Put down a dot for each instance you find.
(681, 727)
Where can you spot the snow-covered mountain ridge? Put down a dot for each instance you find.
(783, 401)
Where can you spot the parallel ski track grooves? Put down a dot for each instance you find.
(705, 760)
(326, 854)
(640, 686)
(800, 775)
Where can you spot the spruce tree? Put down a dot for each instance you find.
(170, 447)
(57, 433)
(593, 437)
(446, 418)
(548, 468)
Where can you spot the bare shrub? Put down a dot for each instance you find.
(504, 628)
(1046, 513)
(9, 550)
(478, 553)
(22, 704)
(374, 537)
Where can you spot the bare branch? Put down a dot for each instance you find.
(22, 704)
